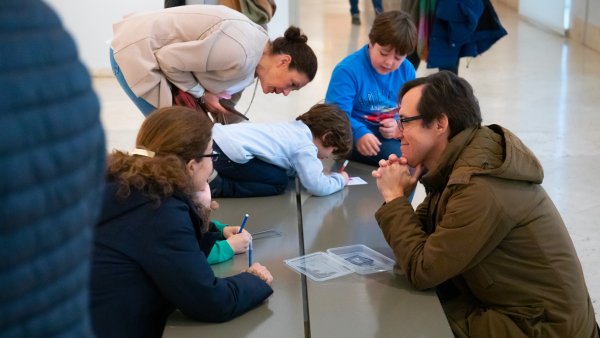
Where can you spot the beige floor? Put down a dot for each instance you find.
(542, 86)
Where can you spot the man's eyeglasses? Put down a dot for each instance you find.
(214, 155)
(403, 120)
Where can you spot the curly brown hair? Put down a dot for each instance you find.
(176, 135)
(330, 124)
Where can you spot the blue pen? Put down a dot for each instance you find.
(250, 254)
(243, 223)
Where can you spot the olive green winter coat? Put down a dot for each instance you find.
(489, 227)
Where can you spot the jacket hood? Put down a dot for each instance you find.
(490, 150)
(113, 207)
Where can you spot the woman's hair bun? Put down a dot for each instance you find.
(294, 34)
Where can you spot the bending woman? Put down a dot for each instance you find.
(211, 52)
(153, 236)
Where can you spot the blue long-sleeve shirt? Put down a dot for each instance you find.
(357, 88)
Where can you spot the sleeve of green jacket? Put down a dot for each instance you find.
(221, 251)
(469, 225)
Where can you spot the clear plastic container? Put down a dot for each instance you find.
(318, 266)
(361, 259)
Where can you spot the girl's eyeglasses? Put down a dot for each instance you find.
(214, 155)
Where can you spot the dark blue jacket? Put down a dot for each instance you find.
(149, 260)
(52, 157)
(462, 28)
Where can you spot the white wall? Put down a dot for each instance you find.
(594, 12)
(90, 24)
(548, 13)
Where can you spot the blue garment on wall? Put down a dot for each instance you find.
(462, 28)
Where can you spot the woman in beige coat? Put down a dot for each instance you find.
(210, 52)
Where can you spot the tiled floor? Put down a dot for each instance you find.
(540, 85)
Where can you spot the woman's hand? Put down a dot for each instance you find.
(261, 272)
(212, 104)
(368, 145)
(238, 242)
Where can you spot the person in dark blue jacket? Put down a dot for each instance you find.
(153, 236)
(52, 161)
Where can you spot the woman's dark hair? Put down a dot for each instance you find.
(293, 43)
(444, 93)
(176, 135)
(330, 124)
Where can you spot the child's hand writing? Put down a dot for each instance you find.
(346, 177)
(231, 230)
(238, 242)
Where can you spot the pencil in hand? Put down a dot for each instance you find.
(250, 253)
(243, 223)
(344, 166)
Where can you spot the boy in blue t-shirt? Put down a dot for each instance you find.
(366, 84)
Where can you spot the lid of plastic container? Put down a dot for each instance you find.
(361, 259)
(318, 266)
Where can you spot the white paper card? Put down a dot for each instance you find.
(356, 181)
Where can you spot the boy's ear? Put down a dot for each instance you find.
(325, 136)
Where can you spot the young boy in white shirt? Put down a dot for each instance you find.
(257, 159)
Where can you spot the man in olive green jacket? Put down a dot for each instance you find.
(487, 236)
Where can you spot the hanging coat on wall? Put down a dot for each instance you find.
(462, 28)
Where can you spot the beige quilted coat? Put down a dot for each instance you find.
(213, 46)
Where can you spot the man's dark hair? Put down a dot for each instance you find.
(444, 93)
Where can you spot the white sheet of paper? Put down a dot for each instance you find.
(356, 181)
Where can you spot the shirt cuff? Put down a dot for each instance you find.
(219, 225)
(220, 252)
(196, 91)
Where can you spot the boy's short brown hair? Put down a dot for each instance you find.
(330, 124)
(395, 29)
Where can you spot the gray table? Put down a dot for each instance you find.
(282, 314)
(375, 305)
